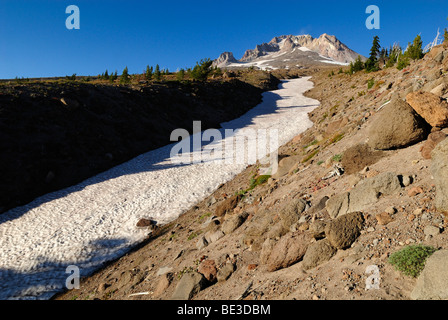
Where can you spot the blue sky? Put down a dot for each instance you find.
(176, 34)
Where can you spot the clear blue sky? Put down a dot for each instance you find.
(176, 34)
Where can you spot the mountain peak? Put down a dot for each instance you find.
(292, 51)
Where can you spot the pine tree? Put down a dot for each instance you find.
(148, 73)
(125, 78)
(372, 63)
(445, 35)
(202, 70)
(157, 73)
(180, 75)
(358, 65)
(415, 50)
(106, 75)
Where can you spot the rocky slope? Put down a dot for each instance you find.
(290, 52)
(54, 134)
(366, 181)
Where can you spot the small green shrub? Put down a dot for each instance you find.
(403, 62)
(370, 83)
(254, 182)
(411, 260)
(337, 158)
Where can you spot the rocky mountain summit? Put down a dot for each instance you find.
(291, 52)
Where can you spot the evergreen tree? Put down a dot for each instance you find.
(113, 76)
(372, 63)
(415, 50)
(157, 73)
(125, 78)
(180, 75)
(148, 73)
(202, 70)
(358, 65)
(106, 75)
(445, 35)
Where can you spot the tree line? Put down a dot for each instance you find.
(394, 56)
(200, 72)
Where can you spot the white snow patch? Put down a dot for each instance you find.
(95, 221)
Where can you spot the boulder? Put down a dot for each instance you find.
(368, 191)
(431, 107)
(319, 206)
(266, 250)
(317, 229)
(225, 272)
(289, 250)
(290, 214)
(285, 165)
(233, 223)
(343, 231)
(439, 170)
(163, 284)
(432, 284)
(258, 228)
(318, 253)
(397, 125)
(338, 205)
(358, 157)
(208, 269)
(190, 284)
(433, 140)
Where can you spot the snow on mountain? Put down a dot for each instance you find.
(292, 51)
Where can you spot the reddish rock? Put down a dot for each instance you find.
(430, 107)
(415, 191)
(208, 269)
(384, 218)
(252, 267)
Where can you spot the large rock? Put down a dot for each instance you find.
(225, 272)
(208, 269)
(343, 231)
(338, 205)
(432, 284)
(285, 165)
(318, 253)
(363, 195)
(259, 226)
(433, 140)
(439, 170)
(234, 222)
(397, 125)
(290, 214)
(289, 250)
(431, 107)
(367, 192)
(190, 284)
